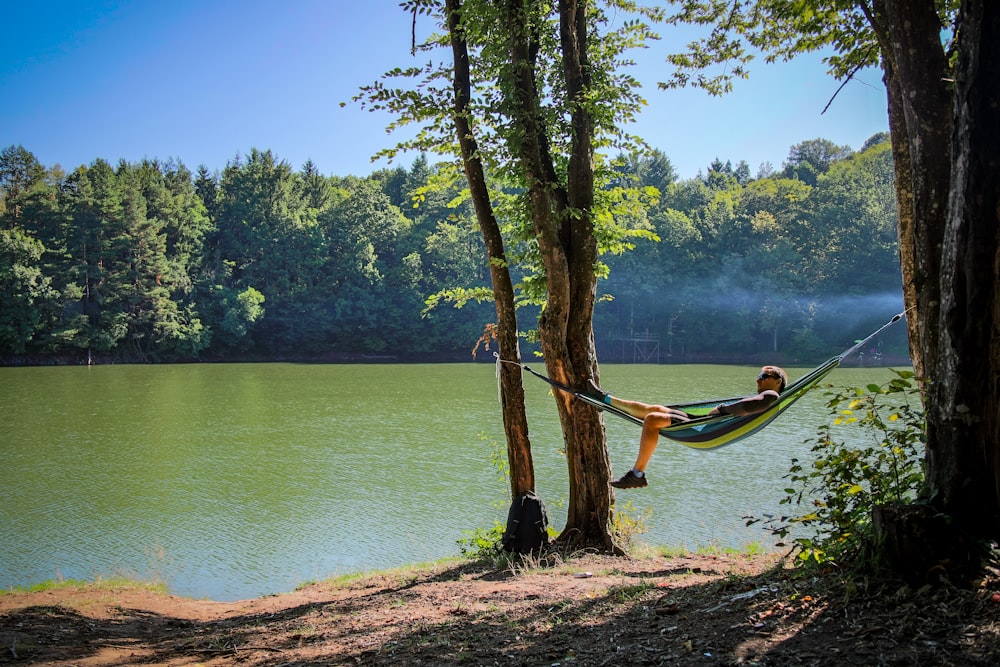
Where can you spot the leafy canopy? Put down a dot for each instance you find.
(422, 96)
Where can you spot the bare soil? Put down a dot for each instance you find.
(581, 610)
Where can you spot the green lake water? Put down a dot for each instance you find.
(231, 481)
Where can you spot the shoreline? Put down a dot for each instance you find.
(587, 610)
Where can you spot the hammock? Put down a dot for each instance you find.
(704, 432)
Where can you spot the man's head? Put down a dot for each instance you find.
(772, 377)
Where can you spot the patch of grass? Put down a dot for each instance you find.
(755, 549)
(405, 574)
(100, 584)
(751, 549)
(671, 551)
(631, 592)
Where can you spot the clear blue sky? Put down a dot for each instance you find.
(204, 80)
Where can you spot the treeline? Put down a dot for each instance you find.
(792, 265)
(151, 262)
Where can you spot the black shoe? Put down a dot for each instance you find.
(630, 481)
(595, 392)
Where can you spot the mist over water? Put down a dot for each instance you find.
(730, 323)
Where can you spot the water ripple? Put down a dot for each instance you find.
(238, 480)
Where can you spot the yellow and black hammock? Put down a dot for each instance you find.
(704, 432)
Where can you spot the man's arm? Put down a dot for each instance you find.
(750, 405)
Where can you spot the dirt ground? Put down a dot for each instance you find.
(581, 610)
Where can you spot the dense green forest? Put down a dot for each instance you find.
(151, 262)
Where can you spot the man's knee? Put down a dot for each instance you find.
(657, 419)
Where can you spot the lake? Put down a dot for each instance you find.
(232, 481)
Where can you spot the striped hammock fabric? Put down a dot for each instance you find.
(704, 432)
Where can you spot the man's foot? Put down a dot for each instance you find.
(630, 481)
(595, 392)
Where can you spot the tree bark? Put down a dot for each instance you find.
(588, 461)
(515, 421)
(964, 424)
(905, 223)
(916, 62)
(950, 255)
(919, 544)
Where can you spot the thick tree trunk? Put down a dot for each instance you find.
(515, 420)
(951, 260)
(964, 422)
(919, 544)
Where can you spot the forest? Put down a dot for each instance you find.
(149, 262)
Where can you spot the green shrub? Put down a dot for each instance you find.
(627, 523)
(839, 490)
(482, 544)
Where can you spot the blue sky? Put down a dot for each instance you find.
(203, 81)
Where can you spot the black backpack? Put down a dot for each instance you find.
(527, 525)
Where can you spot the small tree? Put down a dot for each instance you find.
(534, 92)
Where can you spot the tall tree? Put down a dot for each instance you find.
(93, 232)
(27, 223)
(942, 122)
(809, 159)
(268, 239)
(521, 465)
(561, 210)
(851, 237)
(360, 235)
(535, 90)
(19, 172)
(28, 297)
(964, 419)
(142, 267)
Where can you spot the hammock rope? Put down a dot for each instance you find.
(705, 432)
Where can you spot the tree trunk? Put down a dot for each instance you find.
(588, 518)
(907, 531)
(916, 62)
(904, 215)
(515, 421)
(564, 232)
(964, 423)
(950, 259)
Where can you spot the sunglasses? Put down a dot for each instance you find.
(765, 375)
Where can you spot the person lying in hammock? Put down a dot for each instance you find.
(770, 383)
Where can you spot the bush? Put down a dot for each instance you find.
(482, 544)
(845, 483)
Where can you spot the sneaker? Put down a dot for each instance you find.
(595, 392)
(630, 481)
